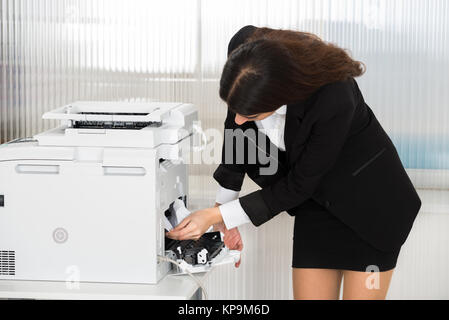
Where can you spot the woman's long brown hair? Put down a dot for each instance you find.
(277, 67)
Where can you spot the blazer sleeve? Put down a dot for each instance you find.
(240, 37)
(231, 175)
(335, 106)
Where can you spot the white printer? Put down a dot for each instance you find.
(86, 201)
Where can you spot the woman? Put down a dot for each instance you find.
(337, 170)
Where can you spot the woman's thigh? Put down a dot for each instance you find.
(366, 286)
(316, 284)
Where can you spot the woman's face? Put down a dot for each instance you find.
(239, 119)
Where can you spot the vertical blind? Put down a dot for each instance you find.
(54, 52)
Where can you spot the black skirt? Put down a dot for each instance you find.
(320, 240)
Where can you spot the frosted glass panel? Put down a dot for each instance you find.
(404, 44)
(54, 52)
(57, 51)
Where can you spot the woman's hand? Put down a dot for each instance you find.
(233, 241)
(196, 224)
(231, 238)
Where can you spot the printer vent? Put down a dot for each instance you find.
(7, 263)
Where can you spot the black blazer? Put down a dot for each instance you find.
(336, 154)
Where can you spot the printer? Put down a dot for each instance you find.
(89, 199)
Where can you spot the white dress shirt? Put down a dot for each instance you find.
(230, 208)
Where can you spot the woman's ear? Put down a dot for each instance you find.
(240, 119)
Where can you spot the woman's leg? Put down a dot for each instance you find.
(316, 284)
(366, 286)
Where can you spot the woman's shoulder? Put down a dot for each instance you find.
(240, 36)
(338, 88)
(336, 97)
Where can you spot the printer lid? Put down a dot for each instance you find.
(112, 111)
(120, 124)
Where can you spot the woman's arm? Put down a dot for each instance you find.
(240, 36)
(230, 175)
(220, 226)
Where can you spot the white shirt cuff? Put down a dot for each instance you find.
(225, 195)
(233, 214)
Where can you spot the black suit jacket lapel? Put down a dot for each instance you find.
(293, 120)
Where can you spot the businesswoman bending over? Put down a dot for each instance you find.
(337, 171)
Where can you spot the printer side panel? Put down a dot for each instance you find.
(172, 184)
(79, 220)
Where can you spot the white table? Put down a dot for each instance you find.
(172, 287)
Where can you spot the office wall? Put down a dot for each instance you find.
(57, 51)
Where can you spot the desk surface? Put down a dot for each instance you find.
(171, 287)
